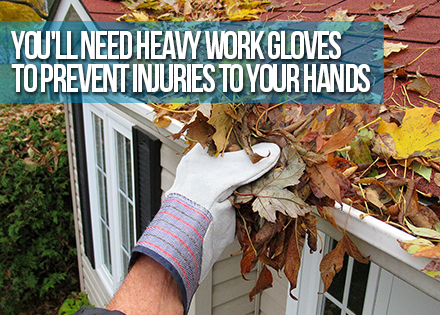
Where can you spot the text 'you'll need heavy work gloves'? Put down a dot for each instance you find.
(197, 221)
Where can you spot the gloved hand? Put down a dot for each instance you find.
(197, 221)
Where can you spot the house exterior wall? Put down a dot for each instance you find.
(224, 291)
(224, 287)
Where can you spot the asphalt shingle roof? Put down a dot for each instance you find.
(422, 32)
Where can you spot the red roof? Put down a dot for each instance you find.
(422, 32)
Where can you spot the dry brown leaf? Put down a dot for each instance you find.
(327, 213)
(404, 9)
(312, 231)
(187, 8)
(339, 140)
(333, 261)
(437, 179)
(331, 264)
(395, 22)
(420, 85)
(379, 5)
(340, 15)
(331, 182)
(198, 131)
(264, 282)
(222, 123)
(294, 250)
(249, 260)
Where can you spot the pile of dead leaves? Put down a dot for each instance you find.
(382, 160)
(193, 10)
(377, 159)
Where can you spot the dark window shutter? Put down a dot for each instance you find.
(147, 177)
(81, 161)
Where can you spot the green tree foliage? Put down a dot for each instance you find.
(37, 238)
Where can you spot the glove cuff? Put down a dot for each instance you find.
(175, 240)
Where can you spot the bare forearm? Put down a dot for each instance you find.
(148, 289)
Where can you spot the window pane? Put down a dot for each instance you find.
(129, 173)
(122, 162)
(125, 261)
(331, 309)
(131, 222)
(125, 196)
(102, 187)
(98, 126)
(125, 229)
(358, 287)
(99, 141)
(106, 246)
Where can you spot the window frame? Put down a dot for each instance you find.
(112, 123)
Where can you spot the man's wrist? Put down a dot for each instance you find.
(175, 240)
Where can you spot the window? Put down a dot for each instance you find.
(352, 292)
(357, 289)
(347, 291)
(109, 149)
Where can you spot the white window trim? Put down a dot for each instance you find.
(112, 122)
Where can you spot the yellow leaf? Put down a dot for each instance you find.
(245, 14)
(222, 122)
(389, 47)
(417, 134)
(246, 10)
(140, 16)
(173, 106)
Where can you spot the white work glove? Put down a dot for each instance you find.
(196, 220)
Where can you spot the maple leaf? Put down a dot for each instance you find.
(417, 133)
(198, 130)
(394, 25)
(395, 22)
(271, 191)
(338, 16)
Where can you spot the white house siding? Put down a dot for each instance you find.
(273, 300)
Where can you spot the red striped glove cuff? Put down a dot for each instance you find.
(175, 240)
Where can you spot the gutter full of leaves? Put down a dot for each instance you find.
(376, 159)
